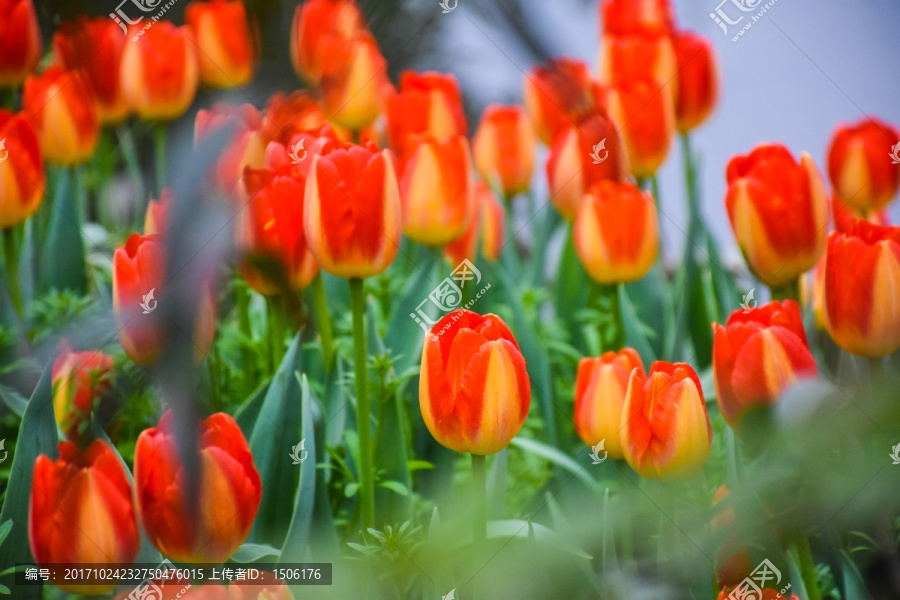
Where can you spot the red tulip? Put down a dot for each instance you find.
(21, 171)
(316, 21)
(643, 56)
(156, 219)
(698, 80)
(426, 103)
(860, 165)
(20, 41)
(79, 378)
(504, 149)
(626, 17)
(246, 147)
(226, 48)
(560, 96)
(285, 116)
(647, 119)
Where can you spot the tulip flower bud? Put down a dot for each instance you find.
(227, 52)
(646, 118)
(20, 41)
(79, 378)
(560, 96)
(22, 176)
(426, 104)
(315, 21)
(81, 512)
(698, 80)
(778, 211)
(665, 428)
(757, 355)
(600, 388)
(642, 56)
(474, 392)
(354, 81)
(156, 219)
(504, 149)
(860, 165)
(627, 17)
(226, 496)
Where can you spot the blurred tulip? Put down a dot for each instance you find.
(426, 103)
(226, 496)
(474, 392)
(436, 190)
(778, 211)
(626, 17)
(845, 216)
(642, 56)
(352, 210)
(314, 22)
(246, 147)
(503, 148)
(560, 96)
(138, 279)
(61, 107)
(354, 82)
(665, 428)
(647, 121)
(698, 80)
(600, 388)
(159, 73)
(81, 512)
(486, 224)
(156, 219)
(21, 171)
(79, 378)
(757, 355)
(860, 165)
(287, 115)
(862, 276)
(616, 234)
(95, 46)
(20, 41)
(226, 47)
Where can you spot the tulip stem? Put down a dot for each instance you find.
(160, 138)
(480, 483)
(12, 268)
(789, 291)
(323, 320)
(807, 568)
(363, 412)
(276, 329)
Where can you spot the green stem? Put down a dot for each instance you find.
(789, 291)
(243, 308)
(363, 412)
(276, 329)
(159, 132)
(323, 320)
(10, 98)
(12, 268)
(480, 482)
(81, 199)
(808, 568)
(608, 299)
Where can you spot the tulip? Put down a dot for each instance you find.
(21, 171)
(20, 41)
(647, 120)
(159, 73)
(246, 147)
(698, 80)
(426, 103)
(286, 116)
(487, 223)
(156, 219)
(757, 355)
(860, 165)
(616, 234)
(61, 107)
(354, 82)
(600, 387)
(778, 211)
(226, 48)
(560, 96)
(95, 46)
(627, 17)
(504, 149)
(78, 378)
(436, 190)
(226, 494)
(81, 511)
(665, 428)
(862, 274)
(648, 57)
(352, 210)
(582, 155)
(316, 21)
(474, 392)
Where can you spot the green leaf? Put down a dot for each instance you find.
(4, 530)
(404, 336)
(497, 481)
(854, 588)
(249, 553)
(516, 528)
(13, 400)
(395, 486)
(418, 465)
(4, 590)
(62, 263)
(297, 538)
(634, 333)
(554, 456)
(248, 412)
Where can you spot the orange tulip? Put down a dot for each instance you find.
(504, 149)
(226, 48)
(61, 107)
(21, 171)
(862, 276)
(81, 511)
(643, 56)
(352, 210)
(665, 428)
(698, 80)
(159, 73)
(474, 392)
(226, 496)
(647, 120)
(246, 147)
(560, 96)
(616, 234)
(486, 224)
(778, 211)
(626, 17)
(757, 355)
(354, 81)
(156, 219)
(860, 165)
(600, 388)
(582, 155)
(20, 41)
(287, 115)
(316, 21)
(426, 103)
(95, 46)
(79, 378)
(436, 190)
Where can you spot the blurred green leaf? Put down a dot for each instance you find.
(62, 262)
(554, 456)
(249, 553)
(297, 538)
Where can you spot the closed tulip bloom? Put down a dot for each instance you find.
(159, 73)
(79, 378)
(246, 147)
(504, 149)
(486, 224)
(95, 46)
(426, 103)
(643, 56)
(616, 234)
(227, 52)
(156, 219)
(226, 495)
(352, 210)
(778, 211)
(61, 107)
(647, 119)
(474, 392)
(436, 191)
(354, 82)
(860, 165)
(287, 115)
(757, 355)
(862, 276)
(22, 176)
(561, 95)
(315, 21)
(626, 17)
(81, 511)
(698, 80)
(20, 41)
(600, 387)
